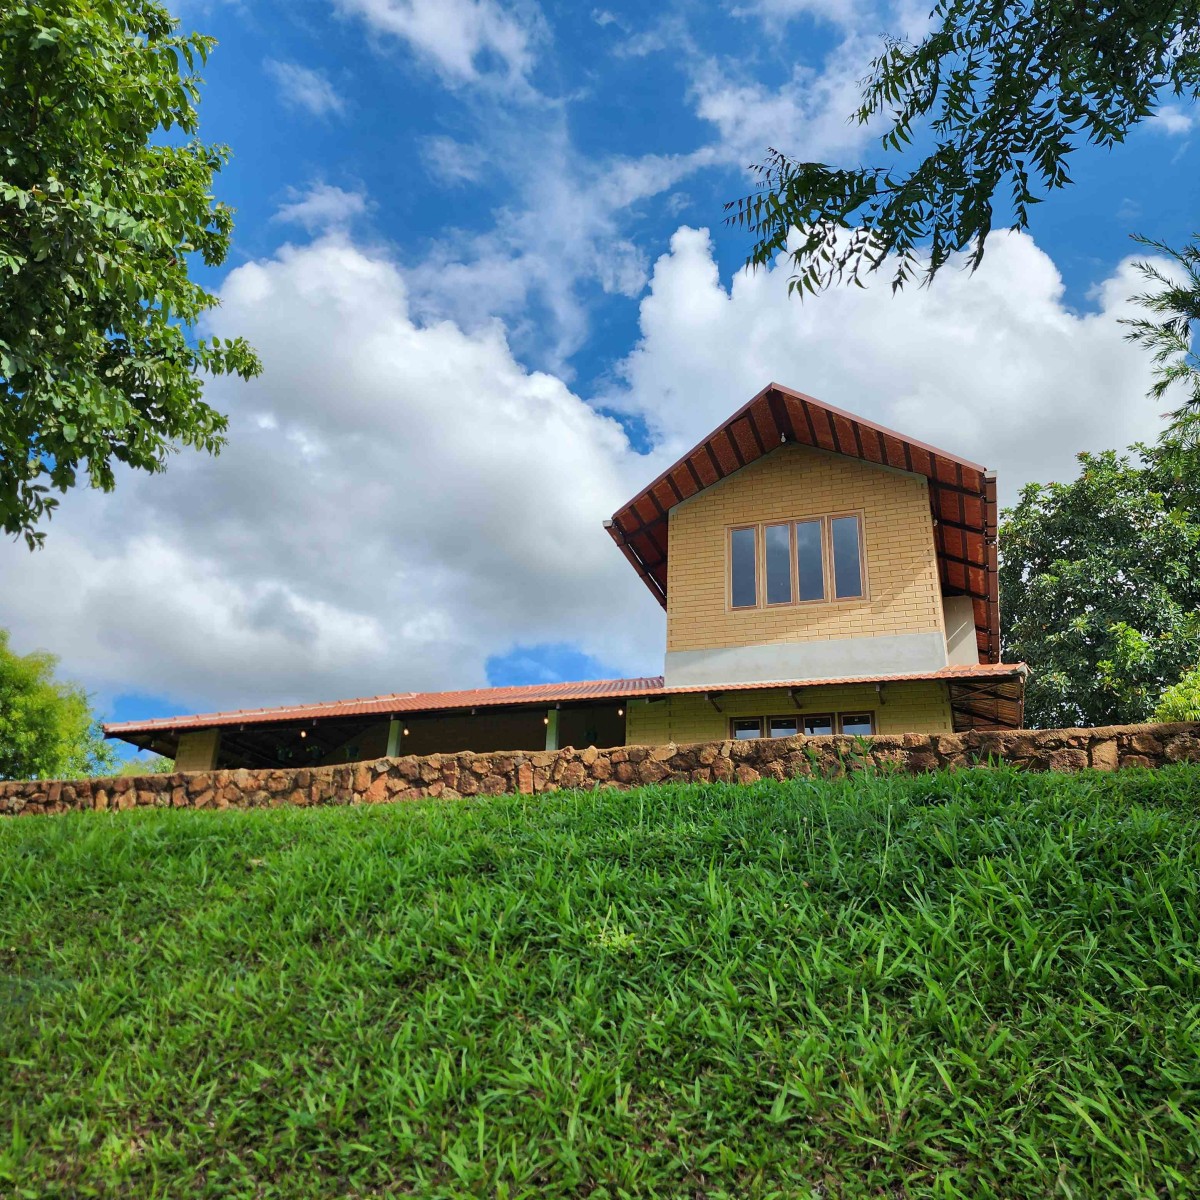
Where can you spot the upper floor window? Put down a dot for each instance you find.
(815, 560)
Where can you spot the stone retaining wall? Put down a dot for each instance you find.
(465, 774)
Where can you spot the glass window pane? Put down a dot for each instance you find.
(847, 565)
(784, 726)
(811, 560)
(858, 724)
(747, 728)
(818, 724)
(779, 565)
(743, 568)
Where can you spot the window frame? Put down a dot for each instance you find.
(869, 713)
(836, 723)
(793, 572)
(830, 599)
(758, 575)
(831, 590)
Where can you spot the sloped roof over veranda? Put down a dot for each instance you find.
(984, 696)
(962, 494)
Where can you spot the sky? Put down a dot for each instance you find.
(480, 247)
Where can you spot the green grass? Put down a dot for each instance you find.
(982, 984)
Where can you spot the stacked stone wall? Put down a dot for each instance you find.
(451, 776)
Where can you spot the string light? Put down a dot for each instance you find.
(304, 733)
(620, 712)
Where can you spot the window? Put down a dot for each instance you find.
(743, 567)
(857, 724)
(812, 561)
(778, 542)
(847, 558)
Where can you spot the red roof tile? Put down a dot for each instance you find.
(647, 687)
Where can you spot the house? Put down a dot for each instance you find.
(820, 574)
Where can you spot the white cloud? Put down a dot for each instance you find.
(563, 231)
(401, 499)
(322, 207)
(993, 366)
(303, 87)
(452, 163)
(1173, 121)
(841, 12)
(397, 502)
(809, 117)
(466, 41)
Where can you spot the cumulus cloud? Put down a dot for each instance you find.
(398, 502)
(303, 87)
(995, 366)
(466, 41)
(401, 499)
(322, 207)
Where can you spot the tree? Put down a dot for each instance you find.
(1181, 701)
(1002, 93)
(155, 765)
(1100, 579)
(47, 729)
(105, 200)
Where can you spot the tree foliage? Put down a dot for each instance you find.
(1181, 701)
(1100, 580)
(998, 96)
(105, 199)
(47, 729)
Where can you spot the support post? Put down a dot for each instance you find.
(552, 729)
(395, 731)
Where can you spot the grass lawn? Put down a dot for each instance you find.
(981, 984)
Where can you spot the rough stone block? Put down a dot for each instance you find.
(1068, 759)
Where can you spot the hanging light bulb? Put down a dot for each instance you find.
(620, 712)
(304, 733)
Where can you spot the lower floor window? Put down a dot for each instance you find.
(855, 724)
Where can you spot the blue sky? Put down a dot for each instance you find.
(480, 245)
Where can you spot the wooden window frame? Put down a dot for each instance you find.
(758, 575)
(829, 579)
(865, 592)
(793, 574)
(733, 737)
(869, 713)
(833, 722)
(836, 720)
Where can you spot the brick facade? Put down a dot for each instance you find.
(900, 707)
(791, 483)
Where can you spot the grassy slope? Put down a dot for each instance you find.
(973, 985)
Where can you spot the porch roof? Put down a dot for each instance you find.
(990, 692)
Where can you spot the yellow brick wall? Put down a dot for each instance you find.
(793, 482)
(912, 706)
(197, 750)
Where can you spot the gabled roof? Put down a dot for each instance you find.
(962, 494)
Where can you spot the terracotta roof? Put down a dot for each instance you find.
(406, 702)
(647, 687)
(962, 494)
